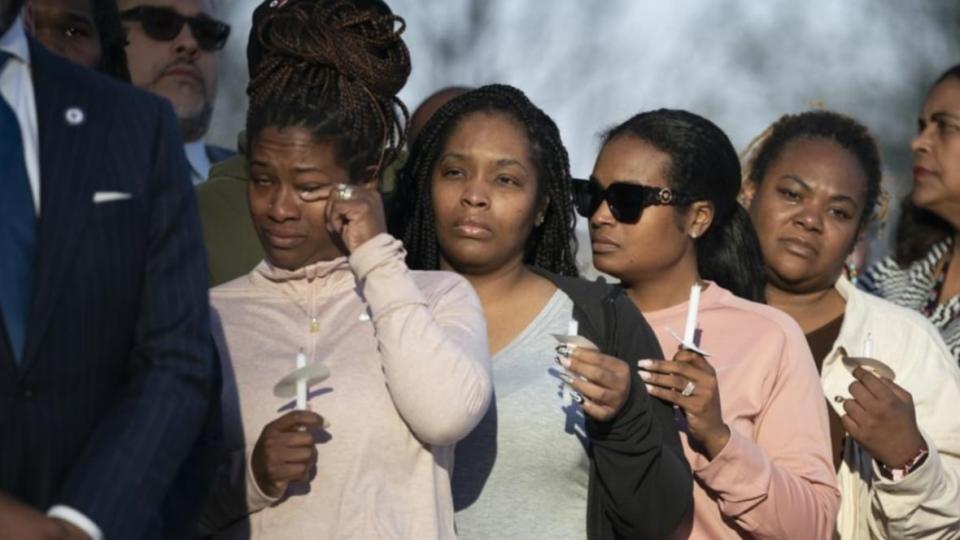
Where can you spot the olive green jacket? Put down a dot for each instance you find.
(232, 245)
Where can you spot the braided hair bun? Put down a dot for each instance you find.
(336, 70)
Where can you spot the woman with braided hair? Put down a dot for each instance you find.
(408, 366)
(486, 192)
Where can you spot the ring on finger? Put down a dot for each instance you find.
(344, 192)
(688, 389)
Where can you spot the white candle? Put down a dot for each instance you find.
(692, 306)
(301, 383)
(567, 394)
(868, 346)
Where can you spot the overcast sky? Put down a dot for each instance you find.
(591, 64)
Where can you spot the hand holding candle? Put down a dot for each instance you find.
(598, 382)
(690, 382)
(881, 417)
(286, 451)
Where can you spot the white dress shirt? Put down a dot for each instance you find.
(16, 88)
(199, 161)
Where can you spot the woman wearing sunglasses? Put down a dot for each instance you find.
(486, 193)
(406, 353)
(662, 203)
(811, 189)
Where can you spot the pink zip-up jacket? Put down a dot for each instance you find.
(410, 376)
(775, 477)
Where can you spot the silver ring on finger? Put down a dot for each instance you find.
(688, 389)
(344, 192)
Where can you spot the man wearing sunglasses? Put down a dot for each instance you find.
(172, 50)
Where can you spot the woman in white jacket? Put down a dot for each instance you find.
(811, 186)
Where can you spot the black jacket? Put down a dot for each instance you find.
(112, 409)
(640, 481)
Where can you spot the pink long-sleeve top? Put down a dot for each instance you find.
(775, 477)
(410, 376)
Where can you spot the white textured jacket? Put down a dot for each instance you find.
(926, 503)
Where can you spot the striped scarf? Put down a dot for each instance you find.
(910, 287)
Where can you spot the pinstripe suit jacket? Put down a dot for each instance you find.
(107, 411)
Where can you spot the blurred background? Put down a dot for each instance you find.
(592, 64)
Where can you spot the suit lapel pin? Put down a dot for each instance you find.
(74, 116)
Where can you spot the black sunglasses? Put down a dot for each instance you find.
(625, 199)
(164, 24)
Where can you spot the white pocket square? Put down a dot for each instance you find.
(110, 196)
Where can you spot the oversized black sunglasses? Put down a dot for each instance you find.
(625, 199)
(164, 24)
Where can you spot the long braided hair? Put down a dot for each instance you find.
(336, 71)
(551, 245)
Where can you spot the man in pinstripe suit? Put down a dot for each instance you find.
(107, 372)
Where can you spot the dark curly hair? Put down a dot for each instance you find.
(704, 163)
(919, 229)
(335, 70)
(827, 125)
(551, 246)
